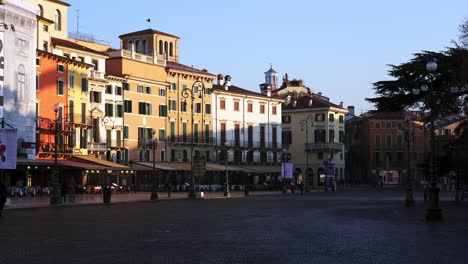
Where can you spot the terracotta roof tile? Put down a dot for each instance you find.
(237, 90)
(182, 67)
(73, 45)
(303, 103)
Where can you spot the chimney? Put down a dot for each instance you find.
(351, 110)
(341, 104)
(220, 79)
(227, 81)
(268, 90)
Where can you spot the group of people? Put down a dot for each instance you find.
(3, 196)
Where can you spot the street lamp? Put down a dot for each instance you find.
(186, 93)
(154, 190)
(433, 211)
(55, 197)
(305, 123)
(226, 155)
(409, 201)
(285, 160)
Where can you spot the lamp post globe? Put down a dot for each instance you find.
(56, 197)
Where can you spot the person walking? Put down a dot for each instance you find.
(3, 196)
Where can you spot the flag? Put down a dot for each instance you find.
(148, 20)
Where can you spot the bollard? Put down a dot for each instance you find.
(154, 192)
(106, 195)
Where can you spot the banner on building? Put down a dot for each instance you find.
(2, 71)
(286, 170)
(8, 148)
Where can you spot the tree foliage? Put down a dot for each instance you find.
(452, 70)
(463, 37)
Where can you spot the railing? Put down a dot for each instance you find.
(96, 146)
(114, 143)
(324, 147)
(137, 56)
(97, 75)
(188, 140)
(46, 147)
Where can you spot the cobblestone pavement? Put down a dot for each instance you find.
(365, 226)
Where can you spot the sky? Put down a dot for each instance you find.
(336, 47)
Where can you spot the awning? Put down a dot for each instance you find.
(99, 162)
(80, 165)
(186, 166)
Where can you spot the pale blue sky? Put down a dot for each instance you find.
(338, 48)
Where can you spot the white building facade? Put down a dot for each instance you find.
(248, 123)
(18, 71)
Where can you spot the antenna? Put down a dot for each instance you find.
(149, 22)
(77, 22)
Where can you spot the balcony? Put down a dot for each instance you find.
(128, 54)
(115, 144)
(96, 75)
(46, 149)
(96, 146)
(197, 141)
(324, 147)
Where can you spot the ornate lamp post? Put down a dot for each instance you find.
(285, 162)
(154, 190)
(409, 201)
(55, 197)
(433, 211)
(227, 193)
(305, 123)
(186, 93)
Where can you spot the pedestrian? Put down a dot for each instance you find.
(168, 189)
(64, 192)
(3, 196)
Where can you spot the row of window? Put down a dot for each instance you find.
(286, 119)
(250, 107)
(389, 140)
(398, 156)
(319, 136)
(388, 124)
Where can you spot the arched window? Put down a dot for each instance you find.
(145, 47)
(171, 49)
(58, 20)
(129, 45)
(41, 11)
(21, 78)
(137, 46)
(165, 48)
(161, 47)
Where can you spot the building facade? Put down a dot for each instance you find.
(313, 134)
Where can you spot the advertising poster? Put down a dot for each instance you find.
(287, 170)
(8, 148)
(2, 71)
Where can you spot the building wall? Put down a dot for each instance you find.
(180, 80)
(49, 8)
(244, 119)
(315, 159)
(19, 71)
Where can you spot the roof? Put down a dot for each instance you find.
(146, 32)
(73, 45)
(182, 67)
(59, 2)
(303, 103)
(237, 90)
(271, 70)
